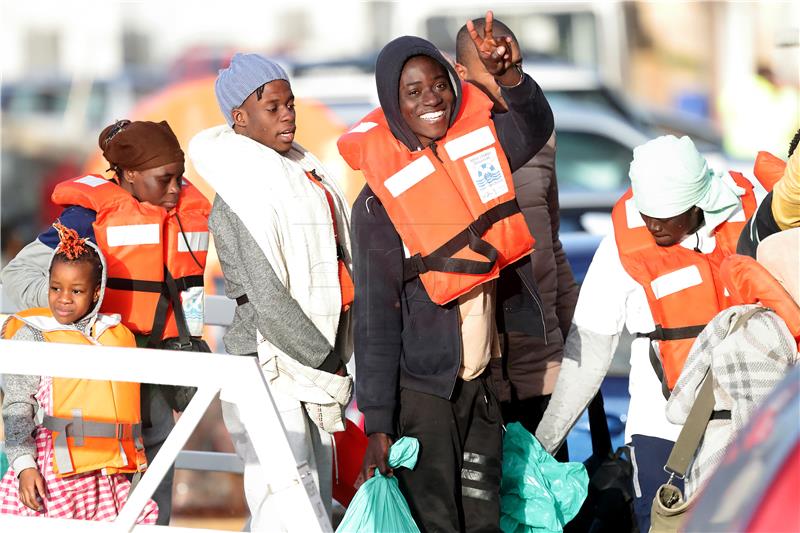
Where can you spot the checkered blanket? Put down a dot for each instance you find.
(748, 349)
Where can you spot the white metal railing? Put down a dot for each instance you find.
(218, 312)
(240, 378)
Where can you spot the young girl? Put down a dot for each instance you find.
(70, 441)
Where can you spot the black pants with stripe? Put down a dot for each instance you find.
(456, 483)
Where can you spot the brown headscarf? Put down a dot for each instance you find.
(140, 145)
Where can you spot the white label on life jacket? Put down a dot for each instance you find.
(409, 176)
(193, 303)
(363, 127)
(676, 281)
(487, 174)
(92, 181)
(632, 214)
(133, 234)
(198, 241)
(469, 143)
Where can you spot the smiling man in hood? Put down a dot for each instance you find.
(431, 230)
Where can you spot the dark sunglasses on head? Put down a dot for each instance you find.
(118, 127)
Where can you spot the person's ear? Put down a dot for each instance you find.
(239, 116)
(128, 175)
(461, 70)
(96, 294)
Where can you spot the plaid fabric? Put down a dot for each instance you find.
(746, 363)
(90, 496)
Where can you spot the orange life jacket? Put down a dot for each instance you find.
(95, 424)
(141, 242)
(345, 279)
(453, 203)
(748, 282)
(683, 288)
(768, 169)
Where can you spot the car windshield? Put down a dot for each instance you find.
(588, 162)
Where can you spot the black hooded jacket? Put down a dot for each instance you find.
(403, 339)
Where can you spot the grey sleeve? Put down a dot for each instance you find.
(25, 278)
(278, 316)
(587, 356)
(19, 409)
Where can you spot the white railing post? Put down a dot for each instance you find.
(165, 457)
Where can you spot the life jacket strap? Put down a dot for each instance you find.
(78, 428)
(442, 260)
(673, 334)
(667, 334)
(140, 285)
(170, 296)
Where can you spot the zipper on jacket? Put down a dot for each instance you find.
(538, 304)
(460, 358)
(433, 148)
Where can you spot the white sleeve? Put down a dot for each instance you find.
(602, 302)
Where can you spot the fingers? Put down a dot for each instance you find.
(488, 32)
(27, 496)
(473, 34)
(41, 488)
(385, 469)
(359, 481)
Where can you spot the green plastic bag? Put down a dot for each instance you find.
(537, 493)
(3, 460)
(379, 506)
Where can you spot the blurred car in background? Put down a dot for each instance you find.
(62, 115)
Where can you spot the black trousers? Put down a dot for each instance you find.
(529, 413)
(456, 483)
(157, 422)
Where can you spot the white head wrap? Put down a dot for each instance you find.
(669, 176)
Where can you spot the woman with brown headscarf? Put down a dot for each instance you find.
(152, 226)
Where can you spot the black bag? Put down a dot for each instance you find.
(179, 396)
(608, 507)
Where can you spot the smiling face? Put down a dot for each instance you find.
(426, 98)
(270, 119)
(73, 290)
(159, 186)
(669, 231)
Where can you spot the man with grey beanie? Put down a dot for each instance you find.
(282, 230)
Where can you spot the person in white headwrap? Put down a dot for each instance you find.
(655, 274)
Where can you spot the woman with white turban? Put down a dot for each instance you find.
(655, 274)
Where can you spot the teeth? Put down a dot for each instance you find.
(432, 116)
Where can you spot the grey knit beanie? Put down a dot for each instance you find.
(246, 73)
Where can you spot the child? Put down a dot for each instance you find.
(63, 474)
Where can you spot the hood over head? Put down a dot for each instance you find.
(388, 68)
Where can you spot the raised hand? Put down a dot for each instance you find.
(498, 54)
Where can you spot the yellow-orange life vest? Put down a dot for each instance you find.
(748, 282)
(140, 242)
(453, 203)
(95, 424)
(683, 288)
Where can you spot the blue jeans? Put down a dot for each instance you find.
(649, 455)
